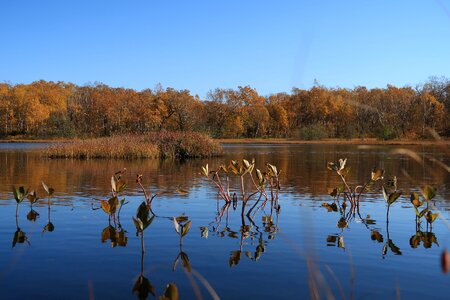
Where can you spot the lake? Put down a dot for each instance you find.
(71, 250)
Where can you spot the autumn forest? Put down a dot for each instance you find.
(59, 109)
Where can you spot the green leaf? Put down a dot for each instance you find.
(185, 228)
(428, 192)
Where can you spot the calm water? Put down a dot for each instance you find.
(276, 260)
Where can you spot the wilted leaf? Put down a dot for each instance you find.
(19, 193)
(48, 189)
(185, 228)
(377, 174)
(414, 241)
(120, 186)
(331, 240)
(142, 287)
(139, 225)
(428, 192)
(235, 257)
(260, 177)
(143, 211)
(19, 237)
(106, 233)
(49, 227)
(185, 261)
(341, 243)
(176, 225)
(342, 223)
(204, 232)
(394, 248)
(415, 200)
(376, 236)
(394, 196)
(32, 215)
(32, 197)
(430, 217)
(171, 292)
(182, 219)
(330, 207)
(113, 184)
(333, 192)
(205, 170)
(422, 213)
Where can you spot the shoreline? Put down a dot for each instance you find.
(368, 141)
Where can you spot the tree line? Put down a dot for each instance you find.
(60, 109)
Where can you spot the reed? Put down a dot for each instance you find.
(176, 145)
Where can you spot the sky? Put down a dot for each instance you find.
(271, 46)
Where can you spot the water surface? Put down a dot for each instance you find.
(241, 258)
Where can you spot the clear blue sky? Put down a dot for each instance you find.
(201, 45)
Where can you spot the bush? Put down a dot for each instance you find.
(387, 132)
(313, 132)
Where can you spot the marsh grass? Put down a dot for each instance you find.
(176, 145)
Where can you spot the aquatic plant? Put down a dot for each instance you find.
(49, 190)
(350, 193)
(244, 170)
(182, 225)
(33, 198)
(113, 204)
(19, 194)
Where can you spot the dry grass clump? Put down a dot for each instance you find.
(178, 145)
(183, 145)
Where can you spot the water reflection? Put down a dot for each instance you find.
(247, 244)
